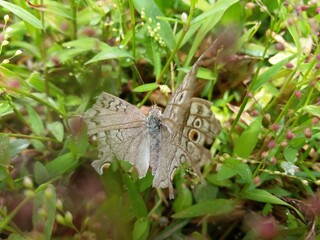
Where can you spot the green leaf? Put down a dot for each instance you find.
(212, 208)
(203, 24)
(58, 9)
(80, 46)
(290, 154)
(27, 48)
(3, 173)
(198, 236)
(17, 145)
(41, 174)
(37, 82)
(137, 204)
(183, 200)
(38, 145)
(205, 192)
(146, 87)
(215, 180)
(15, 236)
(231, 167)
(248, 139)
(21, 13)
(111, 53)
(4, 149)
(267, 75)
(61, 165)
(145, 183)
(218, 9)
(45, 200)
(140, 229)
(156, 54)
(35, 121)
(56, 128)
(312, 109)
(87, 44)
(261, 195)
(202, 73)
(226, 172)
(308, 172)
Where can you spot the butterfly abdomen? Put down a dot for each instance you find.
(153, 124)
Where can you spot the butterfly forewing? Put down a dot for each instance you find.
(110, 113)
(120, 129)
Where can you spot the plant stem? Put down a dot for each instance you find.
(29, 136)
(175, 50)
(74, 20)
(40, 100)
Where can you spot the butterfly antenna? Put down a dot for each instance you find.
(172, 76)
(138, 74)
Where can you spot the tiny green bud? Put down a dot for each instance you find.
(48, 192)
(68, 218)
(143, 13)
(59, 205)
(6, 18)
(18, 52)
(60, 219)
(5, 42)
(184, 17)
(27, 182)
(5, 61)
(165, 89)
(29, 193)
(42, 212)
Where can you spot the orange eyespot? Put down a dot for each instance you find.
(194, 135)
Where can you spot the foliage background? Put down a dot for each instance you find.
(56, 56)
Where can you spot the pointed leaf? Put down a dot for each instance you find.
(146, 87)
(137, 204)
(61, 165)
(248, 139)
(140, 229)
(35, 121)
(213, 208)
(261, 195)
(110, 53)
(22, 13)
(4, 149)
(41, 174)
(56, 128)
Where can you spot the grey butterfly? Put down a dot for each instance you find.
(161, 141)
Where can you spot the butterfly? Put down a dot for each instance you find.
(162, 141)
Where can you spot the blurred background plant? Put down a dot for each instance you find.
(56, 56)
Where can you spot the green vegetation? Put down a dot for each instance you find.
(57, 56)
